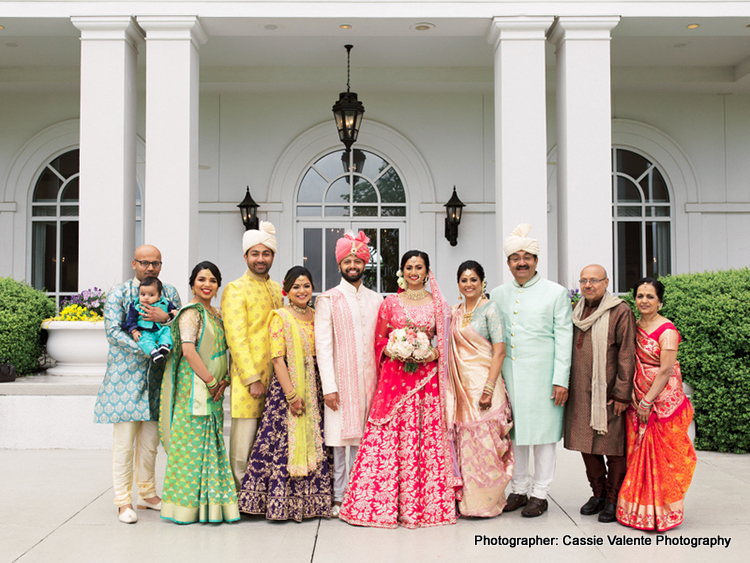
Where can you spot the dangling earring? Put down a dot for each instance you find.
(660, 306)
(484, 287)
(460, 296)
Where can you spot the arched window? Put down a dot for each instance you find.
(54, 227)
(641, 219)
(358, 190)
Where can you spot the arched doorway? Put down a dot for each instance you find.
(351, 191)
(383, 145)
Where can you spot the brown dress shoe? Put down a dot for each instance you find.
(535, 507)
(514, 502)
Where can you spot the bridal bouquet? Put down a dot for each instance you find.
(408, 343)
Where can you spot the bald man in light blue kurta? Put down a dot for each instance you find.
(539, 334)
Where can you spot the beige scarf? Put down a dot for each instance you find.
(599, 320)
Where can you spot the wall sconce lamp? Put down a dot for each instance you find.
(453, 210)
(249, 211)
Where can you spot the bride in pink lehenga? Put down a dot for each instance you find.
(405, 473)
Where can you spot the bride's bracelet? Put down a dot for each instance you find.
(645, 405)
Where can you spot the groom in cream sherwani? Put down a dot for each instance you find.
(345, 319)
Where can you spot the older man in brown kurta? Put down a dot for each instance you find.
(599, 395)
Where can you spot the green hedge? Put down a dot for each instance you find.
(22, 310)
(712, 312)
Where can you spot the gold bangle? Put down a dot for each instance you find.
(292, 397)
(212, 382)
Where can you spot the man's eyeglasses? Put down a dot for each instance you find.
(146, 263)
(592, 281)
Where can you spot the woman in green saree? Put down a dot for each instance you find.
(198, 486)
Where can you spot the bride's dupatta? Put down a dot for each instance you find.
(396, 386)
(661, 457)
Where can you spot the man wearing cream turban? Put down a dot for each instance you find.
(246, 306)
(345, 318)
(536, 370)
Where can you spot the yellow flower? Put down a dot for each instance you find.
(77, 313)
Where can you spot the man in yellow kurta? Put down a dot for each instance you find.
(246, 306)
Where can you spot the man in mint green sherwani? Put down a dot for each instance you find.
(539, 334)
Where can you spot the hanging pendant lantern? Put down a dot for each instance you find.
(348, 111)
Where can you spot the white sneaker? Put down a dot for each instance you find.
(335, 511)
(128, 516)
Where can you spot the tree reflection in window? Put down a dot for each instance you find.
(354, 184)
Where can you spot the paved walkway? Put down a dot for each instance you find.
(57, 507)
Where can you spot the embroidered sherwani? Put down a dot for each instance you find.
(362, 306)
(130, 390)
(246, 305)
(539, 336)
(620, 369)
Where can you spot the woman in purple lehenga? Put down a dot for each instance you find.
(288, 476)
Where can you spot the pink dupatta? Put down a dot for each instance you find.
(396, 386)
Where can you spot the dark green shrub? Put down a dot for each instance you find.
(712, 312)
(22, 310)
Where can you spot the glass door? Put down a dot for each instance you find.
(318, 245)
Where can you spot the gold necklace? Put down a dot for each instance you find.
(468, 314)
(300, 310)
(416, 294)
(644, 327)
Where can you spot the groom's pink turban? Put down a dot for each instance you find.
(356, 245)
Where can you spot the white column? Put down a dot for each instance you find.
(584, 143)
(109, 53)
(520, 131)
(170, 204)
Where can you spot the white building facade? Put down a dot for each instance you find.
(619, 130)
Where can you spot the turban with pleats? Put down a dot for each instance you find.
(356, 245)
(519, 240)
(265, 235)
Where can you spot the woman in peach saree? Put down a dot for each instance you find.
(478, 407)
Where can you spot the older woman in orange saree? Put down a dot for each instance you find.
(661, 457)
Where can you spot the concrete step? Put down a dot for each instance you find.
(57, 412)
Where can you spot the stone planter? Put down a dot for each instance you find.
(78, 347)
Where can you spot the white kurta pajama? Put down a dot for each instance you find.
(362, 306)
(539, 338)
